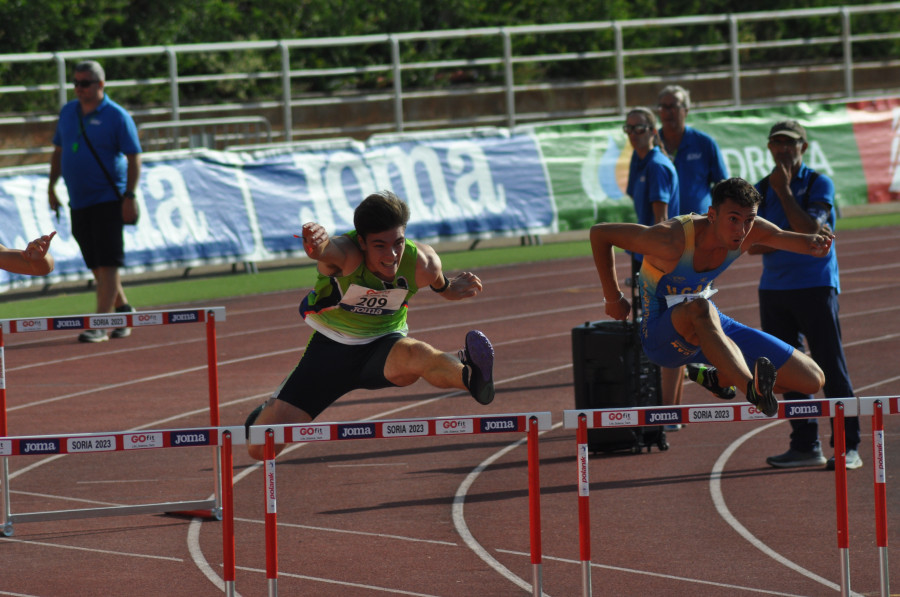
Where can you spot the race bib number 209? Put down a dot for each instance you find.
(368, 301)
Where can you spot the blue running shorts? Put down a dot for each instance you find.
(665, 346)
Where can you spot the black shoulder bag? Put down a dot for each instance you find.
(109, 178)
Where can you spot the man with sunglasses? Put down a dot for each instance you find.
(696, 155)
(798, 295)
(97, 153)
(699, 164)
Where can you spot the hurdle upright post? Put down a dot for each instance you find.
(5, 512)
(881, 531)
(840, 488)
(271, 515)
(228, 513)
(534, 500)
(212, 366)
(584, 513)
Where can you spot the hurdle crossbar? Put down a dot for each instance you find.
(103, 442)
(93, 443)
(584, 419)
(270, 435)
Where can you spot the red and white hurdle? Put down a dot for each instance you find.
(582, 420)
(209, 315)
(529, 423)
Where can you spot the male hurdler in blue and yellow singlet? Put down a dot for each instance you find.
(682, 256)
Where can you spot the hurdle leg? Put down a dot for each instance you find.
(584, 514)
(840, 488)
(880, 496)
(534, 519)
(228, 513)
(271, 518)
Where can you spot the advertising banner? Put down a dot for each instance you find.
(206, 207)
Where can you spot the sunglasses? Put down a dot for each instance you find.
(635, 128)
(669, 106)
(84, 83)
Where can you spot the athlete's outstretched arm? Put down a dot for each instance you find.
(768, 234)
(34, 260)
(333, 254)
(430, 271)
(663, 242)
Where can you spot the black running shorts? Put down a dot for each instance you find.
(98, 230)
(329, 369)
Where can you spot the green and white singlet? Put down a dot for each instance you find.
(360, 307)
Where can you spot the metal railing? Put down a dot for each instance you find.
(505, 77)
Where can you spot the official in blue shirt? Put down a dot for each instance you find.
(97, 152)
(798, 295)
(652, 179)
(696, 155)
(653, 185)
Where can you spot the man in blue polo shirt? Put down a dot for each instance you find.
(699, 165)
(798, 294)
(697, 158)
(97, 153)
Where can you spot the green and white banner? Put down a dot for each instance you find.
(857, 145)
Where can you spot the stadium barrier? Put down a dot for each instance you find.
(529, 423)
(95, 442)
(582, 420)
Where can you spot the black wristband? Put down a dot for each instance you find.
(128, 195)
(442, 288)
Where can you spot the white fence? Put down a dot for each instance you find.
(604, 68)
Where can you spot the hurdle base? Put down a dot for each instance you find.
(160, 508)
(213, 514)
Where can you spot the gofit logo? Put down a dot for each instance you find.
(498, 425)
(139, 319)
(802, 410)
(619, 418)
(312, 433)
(137, 441)
(454, 427)
(31, 325)
(750, 413)
(664, 416)
(68, 323)
(356, 431)
(39, 446)
(190, 438)
(5, 447)
(184, 317)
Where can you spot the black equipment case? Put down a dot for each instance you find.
(611, 371)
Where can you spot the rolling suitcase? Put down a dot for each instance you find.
(611, 371)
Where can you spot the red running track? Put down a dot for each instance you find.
(438, 516)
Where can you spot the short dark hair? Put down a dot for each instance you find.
(738, 190)
(379, 212)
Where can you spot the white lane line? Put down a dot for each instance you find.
(93, 550)
(331, 581)
(656, 574)
(64, 498)
(349, 532)
(368, 464)
(715, 489)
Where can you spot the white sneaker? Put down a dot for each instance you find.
(853, 461)
(93, 336)
(122, 332)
